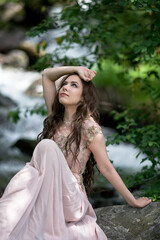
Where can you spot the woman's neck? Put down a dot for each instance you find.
(69, 114)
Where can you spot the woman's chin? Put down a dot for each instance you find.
(63, 102)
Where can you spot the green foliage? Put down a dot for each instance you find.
(125, 31)
(45, 25)
(154, 197)
(138, 120)
(43, 62)
(147, 139)
(138, 88)
(112, 74)
(16, 114)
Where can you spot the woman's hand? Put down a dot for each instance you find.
(141, 202)
(85, 73)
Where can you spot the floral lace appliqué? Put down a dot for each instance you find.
(92, 132)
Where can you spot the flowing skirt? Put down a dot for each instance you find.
(44, 201)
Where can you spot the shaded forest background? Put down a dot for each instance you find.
(121, 40)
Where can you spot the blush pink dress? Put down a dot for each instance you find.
(46, 200)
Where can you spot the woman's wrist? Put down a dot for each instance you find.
(132, 203)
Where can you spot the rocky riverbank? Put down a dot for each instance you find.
(127, 223)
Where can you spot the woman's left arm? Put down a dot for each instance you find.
(98, 148)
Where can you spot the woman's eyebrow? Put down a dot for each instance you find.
(75, 82)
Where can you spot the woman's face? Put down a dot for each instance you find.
(70, 93)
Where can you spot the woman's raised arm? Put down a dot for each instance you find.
(98, 148)
(50, 75)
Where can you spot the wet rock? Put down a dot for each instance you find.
(156, 230)
(6, 102)
(5, 105)
(126, 223)
(26, 146)
(15, 58)
(35, 90)
(102, 197)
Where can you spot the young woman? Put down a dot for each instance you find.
(47, 199)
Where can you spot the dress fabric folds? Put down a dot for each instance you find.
(44, 201)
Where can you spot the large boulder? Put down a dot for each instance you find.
(10, 39)
(15, 58)
(6, 102)
(26, 146)
(126, 223)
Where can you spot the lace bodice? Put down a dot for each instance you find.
(89, 130)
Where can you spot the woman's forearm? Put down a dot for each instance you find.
(114, 178)
(54, 73)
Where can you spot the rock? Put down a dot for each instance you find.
(126, 223)
(30, 49)
(5, 105)
(109, 99)
(10, 39)
(26, 13)
(12, 11)
(6, 102)
(35, 89)
(15, 58)
(26, 146)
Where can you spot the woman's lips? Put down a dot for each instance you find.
(64, 94)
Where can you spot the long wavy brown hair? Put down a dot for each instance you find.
(88, 105)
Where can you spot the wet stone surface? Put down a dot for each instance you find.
(126, 223)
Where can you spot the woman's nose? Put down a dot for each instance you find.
(65, 87)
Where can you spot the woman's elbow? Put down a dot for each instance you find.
(44, 72)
